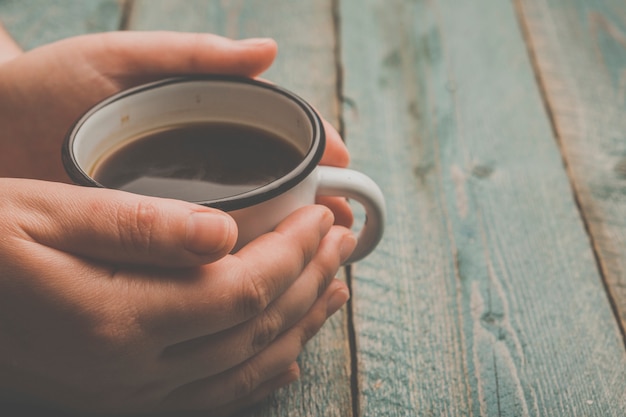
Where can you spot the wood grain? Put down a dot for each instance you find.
(306, 65)
(484, 297)
(36, 22)
(580, 52)
(304, 31)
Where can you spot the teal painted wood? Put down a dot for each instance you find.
(35, 22)
(305, 33)
(484, 297)
(306, 64)
(580, 50)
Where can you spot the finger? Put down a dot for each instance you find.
(292, 374)
(239, 286)
(221, 351)
(9, 49)
(245, 379)
(340, 207)
(111, 225)
(336, 152)
(158, 54)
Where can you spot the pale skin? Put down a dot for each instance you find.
(112, 302)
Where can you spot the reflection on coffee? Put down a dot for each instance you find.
(197, 162)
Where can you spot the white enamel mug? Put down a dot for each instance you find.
(254, 103)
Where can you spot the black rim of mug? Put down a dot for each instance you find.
(230, 203)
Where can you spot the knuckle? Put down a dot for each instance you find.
(324, 268)
(301, 252)
(136, 225)
(307, 334)
(325, 276)
(254, 296)
(194, 59)
(247, 380)
(306, 254)
(315, 324)
(267, 330)
(111, 335)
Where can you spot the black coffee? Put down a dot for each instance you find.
(197, 162)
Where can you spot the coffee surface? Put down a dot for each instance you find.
(197, 162)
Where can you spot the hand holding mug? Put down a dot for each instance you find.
(82, 330)
(241, 145)
(76, 73)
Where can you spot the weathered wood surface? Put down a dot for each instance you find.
(36, 22)
(580, 53)
(484, 298)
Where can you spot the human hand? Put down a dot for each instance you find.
(89, 323)
(45, 90)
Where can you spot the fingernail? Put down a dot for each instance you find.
(207, 232)
(337, 300)
(347, 245)
(256, 41)
(326, 222)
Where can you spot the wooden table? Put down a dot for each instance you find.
(497, 130)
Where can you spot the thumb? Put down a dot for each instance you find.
(129, 55)
(116, 226)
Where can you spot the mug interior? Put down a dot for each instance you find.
(115, 121)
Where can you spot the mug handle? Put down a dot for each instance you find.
(344, 182)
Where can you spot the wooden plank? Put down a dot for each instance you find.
(36, 22)
(484, 297)
(580, 53)
(306, 65)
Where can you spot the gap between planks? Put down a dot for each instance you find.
(541, 83)
(352, 342)
(126, 7)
